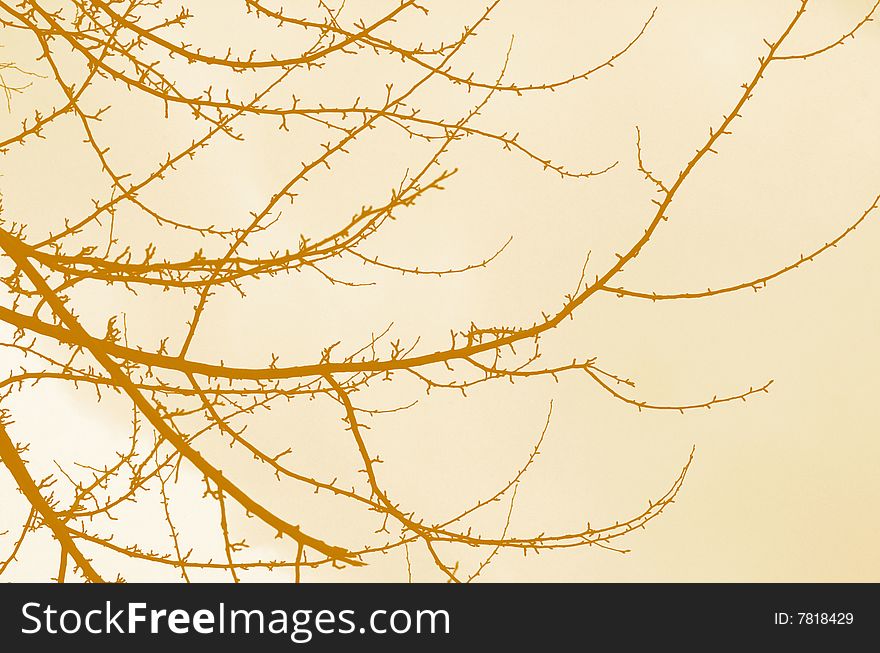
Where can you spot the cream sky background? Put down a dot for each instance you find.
(783, 487)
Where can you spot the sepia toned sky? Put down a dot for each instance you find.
(783, 486)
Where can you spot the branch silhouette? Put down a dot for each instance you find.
(147, 50)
